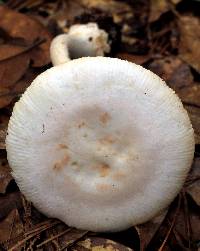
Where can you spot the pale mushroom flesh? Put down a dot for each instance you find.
(81, 40)
(100, 143)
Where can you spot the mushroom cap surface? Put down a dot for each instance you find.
(100, 143)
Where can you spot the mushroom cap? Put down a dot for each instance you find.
(100, 143)
(82, 40)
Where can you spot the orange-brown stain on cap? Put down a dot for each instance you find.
(103, 187)
(107, 140)
(62, 146)
(104, 170)
(60, 164)
(118, 175)
(82, 124)
(104, 118)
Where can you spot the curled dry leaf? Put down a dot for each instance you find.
(96, 243)
(190, 40)
(11, 229)
(18, 25)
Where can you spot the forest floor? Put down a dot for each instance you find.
(161, 35)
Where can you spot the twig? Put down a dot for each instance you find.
(11, 230)
(187, 219)
(72, 243)
(28, 48)
(43, 226)
(31, 234)
(172, 225)
(20, 243)
(190, 104)
(54, 237)
(191, 180)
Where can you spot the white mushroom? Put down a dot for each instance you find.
(100, 143)
(82, 40)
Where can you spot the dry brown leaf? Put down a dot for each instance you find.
(70, 237)
(187, 228)
(147, 230)
(26, 80)
(194, 114)
(8, 94)
(195, 224)
(4, 118)
(10, 50)
(120, 10)
(137, 59)
(193, 182)
(67, 12)
(9, 202)
(96, 243)
(178, 76)
(3, 132)
(18, 25)
(190, 40)
(161, 239)
(11, 229)
(15, 59)
(12, 69)
(190, 95)
(174, 71)
(5, 174)
(158, 7)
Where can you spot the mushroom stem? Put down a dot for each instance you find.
(82, 40)
(59, 51)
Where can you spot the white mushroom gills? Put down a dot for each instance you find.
(82, 40)
(100, 143)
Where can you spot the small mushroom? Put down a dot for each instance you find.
(100, 143)
(82, 40)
